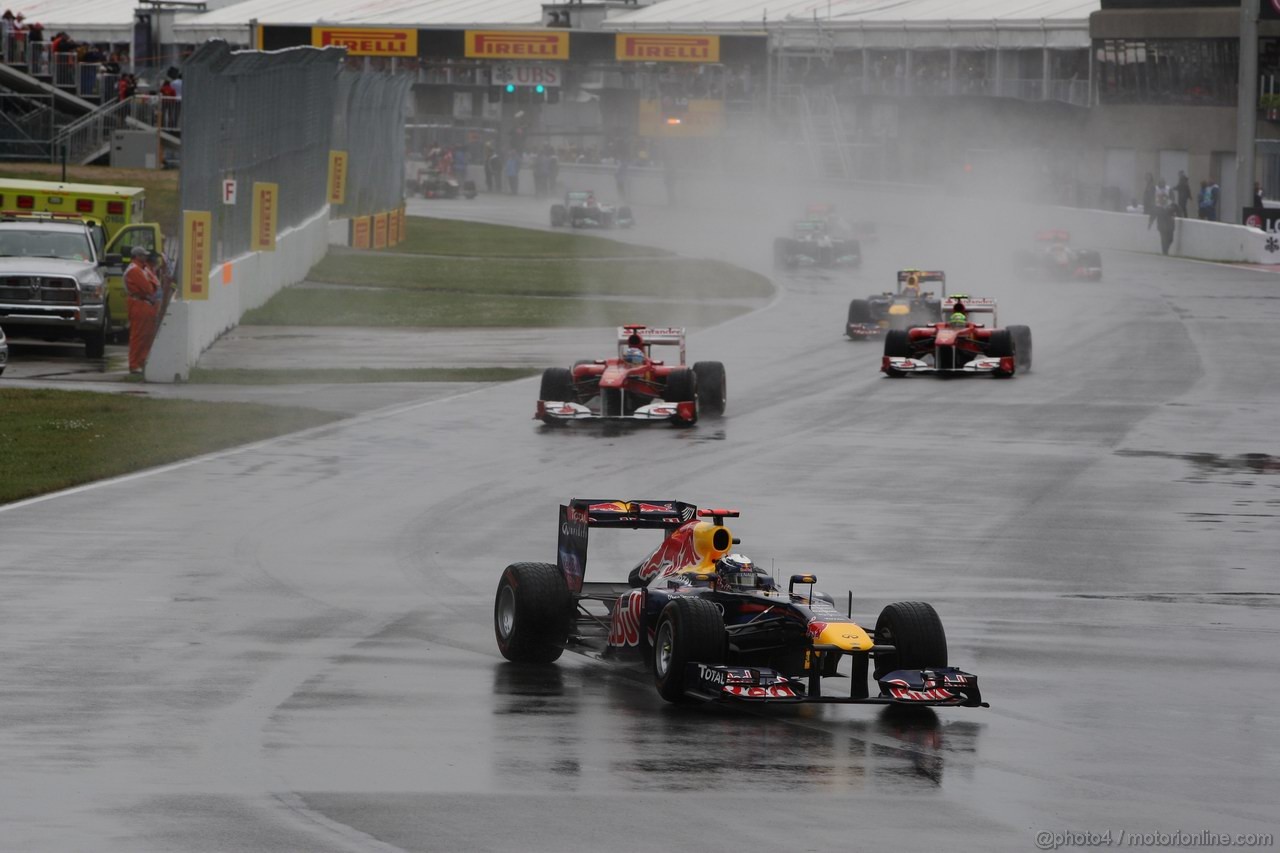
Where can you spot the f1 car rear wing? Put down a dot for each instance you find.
(1056, 235)
(644, 337)
(578, 195)
(923, 277)
(819, 209)
(970, 305)
(652, 515)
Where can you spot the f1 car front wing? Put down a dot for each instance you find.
(555, 411)
(942, 686)
(1003, 366)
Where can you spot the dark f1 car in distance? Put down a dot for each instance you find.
(1052, 257)
(424, 179)
(958, 346)
(911, 305)
(821, 239)
(633, 386)
(581, 210)
(712, 627)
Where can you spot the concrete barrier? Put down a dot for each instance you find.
(239, 285)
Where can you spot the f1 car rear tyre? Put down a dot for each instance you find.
(690, 630)
(915, 631)
(1000, 343)
(558, 215)
(783, 258)
(859, 313)
(557, 384)
(711, 386)
(625, 217)
(1022, 346)
(531, 613)
(897, 343)
(469, 189)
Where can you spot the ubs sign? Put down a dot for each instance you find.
(661, 47)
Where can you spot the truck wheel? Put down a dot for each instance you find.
(690, 630)
(95, 343)
(531, 613)
(897, 344)
(1022, 346)
(915, 631)
(557, 385)
(712, 387)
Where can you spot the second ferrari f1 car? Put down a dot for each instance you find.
(633, 386)
(710, 626)
(959, 346)
(911, 305)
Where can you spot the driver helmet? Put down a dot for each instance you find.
(913, 283)
(736, 572)
(633, 355)
(958, 320)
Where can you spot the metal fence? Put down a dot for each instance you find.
(249, 116)
(368, 123)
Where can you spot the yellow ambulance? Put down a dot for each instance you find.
(118, 211)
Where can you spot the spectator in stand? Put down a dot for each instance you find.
(1182, 193)
(167, 104)
(1203, 200)
(1215, 195)
(112, 65)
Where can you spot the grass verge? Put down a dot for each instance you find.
(407, 308)
(425, 235)
(51, 440)
(319, 376)
(678, 278)
(161, 186)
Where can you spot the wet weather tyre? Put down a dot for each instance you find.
(558, 215)
(531, 613)
(682, 386)
(915, 631)
(469, 189)
(625, 218)
(711, 386)
(897, 344)
(1000, 344)
(1022, 346)
(690, 630)
(859, 314)
(782, 255)
(557, 385)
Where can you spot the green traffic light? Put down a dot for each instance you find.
(540, 89)
(511, 88)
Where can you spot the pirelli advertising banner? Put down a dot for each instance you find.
(516, 44)
(365, 41)
(362, 232)
(380, 230)
(337, 177)
(663, 47)
(266, 205)
(197, 248)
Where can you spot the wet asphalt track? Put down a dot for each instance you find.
(288, 646)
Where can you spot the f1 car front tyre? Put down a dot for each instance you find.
(897, 344)
(915, 631)
(711, 386)
(859, 314)
(1000, 344)
(531, 613)
(1022, 346)
(558, 215)
(557, 385)
(690, 630)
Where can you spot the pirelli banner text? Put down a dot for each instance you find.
(197, 253)
(265, 216)
(379, 231)
(361, 41)
(516, 44)
(664, 47)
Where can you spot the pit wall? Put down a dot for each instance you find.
(241, 284)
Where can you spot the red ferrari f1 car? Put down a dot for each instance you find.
(710, 626)
(634, 386)
(958, 347)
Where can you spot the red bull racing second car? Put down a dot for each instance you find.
(634, 387)
(712, 627)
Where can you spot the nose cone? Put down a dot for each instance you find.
(947, 337)
(845, 636)
(614, 376)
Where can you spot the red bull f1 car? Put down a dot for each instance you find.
(581, 210)
(958, 348)
(709, 635)
(633, 386)
(1052, 257)
(911, 305)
